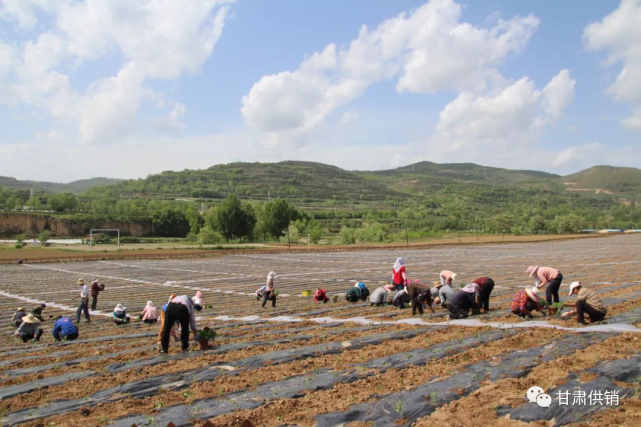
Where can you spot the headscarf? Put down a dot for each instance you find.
(120, 308)
(472, 288)
(150, 303)
(398, 264)
(199, 294)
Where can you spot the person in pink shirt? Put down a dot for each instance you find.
(399, 275)
(447, 277)
(149, 313)
(546, 276)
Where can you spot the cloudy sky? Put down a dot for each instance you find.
(126, 88)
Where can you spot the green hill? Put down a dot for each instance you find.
(75, 187)
(605, 180)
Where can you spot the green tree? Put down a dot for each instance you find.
(12, 203)
(277, 216)
(348, 235)
(233, 220)
(44, 236)
(536, 224)
(170, 222)
(207, 236)
(567, 224)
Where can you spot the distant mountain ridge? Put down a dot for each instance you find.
(75, 187)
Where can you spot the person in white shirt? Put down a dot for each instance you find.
(84, 301)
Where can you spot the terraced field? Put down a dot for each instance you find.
(333, 364)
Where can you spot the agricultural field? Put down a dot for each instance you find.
(333, 364)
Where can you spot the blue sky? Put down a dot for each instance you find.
(109, 88)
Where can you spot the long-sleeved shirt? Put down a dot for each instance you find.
(96, 288)
(184, 300)
(414, 289)
(591, 299)
(446, 277)
(269, 286)
(150, 312)
(483, 282)
(64, 326)
(464, 300)
(320, 295)
(445, 294)
(30, 329)
(378, 296)
(18, 315)
(521, 302)
(546, 275)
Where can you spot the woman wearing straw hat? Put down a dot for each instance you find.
(16, 319)
(525, 302)
(120, 315)
(29, 329)
(447, 277)
(546, 276)
(83, 307)
(586, 302)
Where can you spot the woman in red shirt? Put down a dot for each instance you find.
(399, 275)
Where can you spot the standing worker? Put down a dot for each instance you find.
(486, 286)
(399, 275)
(29, 329)
(83, 307)
(586, 302)
(95, 290)
(463, 301)
(64, 329)
(547, 276)
(180, 309)
(270, 293)
(419, 295)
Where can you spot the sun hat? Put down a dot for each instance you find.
(20, 308)
(120, 308)
(30, 318)
(454, 276)
(81, 281)
(94, 281)
(533, 293)
(437, 284)
(531, 270)
(574, 285)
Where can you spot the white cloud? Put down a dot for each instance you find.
(502, 125)
(578, 154)
(619, 33)
(172, 123)
(156, 39)
(428, 50)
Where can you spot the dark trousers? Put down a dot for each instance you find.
(26, 337)
(67, 337)
(17, 323)
(150, 321)
(484, 295)
(399, 287)
(175, 313)
(457, 312)
(83, 308)
(417, 306)
(269, 296)
(552, 289)
(529, 306)
(94, 301)
(583, 307)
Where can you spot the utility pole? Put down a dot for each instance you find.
(407, 238)
(289, 245)
(308, 243)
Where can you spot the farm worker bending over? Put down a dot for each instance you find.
(120, 315)
(445, 293)
(83, 307)
(149, 313)
(198, 301)
(379, 295)
(180, 309)
(399, 275)
(162, 318)
(487, 285)
(358, 292)
(270, 293)
(447, 277)
(95, 290)
(419, 295)
(586, 302)
(38, 311)
(320, 296)
(525, 302)
(29, 329)
(64, 329)
(463, 301)
(546, 276)
(16, 319)
(401, 299)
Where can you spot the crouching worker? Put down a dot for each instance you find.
(586, 302)
(270, 292)
(379, 296)
(463, 301)
(149, 314)
(29, 329)
(320, 296)
(181, 310)
(64, 329)
(401, 299)
(525, 302)
(120, 315)
(18, 316)
(358, 292)
(419, 295)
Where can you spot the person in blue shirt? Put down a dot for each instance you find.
(120, 315)
(64, 329)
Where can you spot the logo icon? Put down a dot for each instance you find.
(543, 400)
(533, 392)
